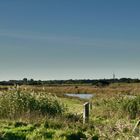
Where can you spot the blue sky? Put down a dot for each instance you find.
(69, 39)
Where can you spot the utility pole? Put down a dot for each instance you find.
(113, 77)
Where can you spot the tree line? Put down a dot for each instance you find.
(98, 82)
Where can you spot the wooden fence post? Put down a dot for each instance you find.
(90, 105)
(86, 113)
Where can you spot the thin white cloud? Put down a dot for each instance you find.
(72, 40)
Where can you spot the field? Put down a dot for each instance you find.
(45, 113)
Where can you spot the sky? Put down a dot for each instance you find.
(69, 39)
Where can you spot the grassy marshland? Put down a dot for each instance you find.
(39, 113)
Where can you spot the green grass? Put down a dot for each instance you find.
(113, 116)
(73, 105)
(9, 131)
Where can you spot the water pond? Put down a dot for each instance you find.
(82, 95)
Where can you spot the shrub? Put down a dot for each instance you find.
(14, 136)
(124, 106)
(41, 134)
(69, 135)
(75, 136)
(131, 107)
(17, 104)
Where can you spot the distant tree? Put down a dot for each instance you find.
(25, 81)
(31, 82)
(102, 83)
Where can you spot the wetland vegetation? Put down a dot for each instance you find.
(44, 112)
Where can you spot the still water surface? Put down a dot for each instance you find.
(82, 96)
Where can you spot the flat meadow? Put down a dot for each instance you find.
(46, 113)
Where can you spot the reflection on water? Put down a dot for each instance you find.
(82, 96)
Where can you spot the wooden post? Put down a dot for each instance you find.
(90, 105)
(86, 113)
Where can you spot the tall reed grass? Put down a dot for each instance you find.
(18, 103)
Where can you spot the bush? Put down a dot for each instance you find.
(124, 106)
(13, 136)
(132, 107)
(69, 135)
(120, 106)
(41, 134)
(75, 136)
(16, 104)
